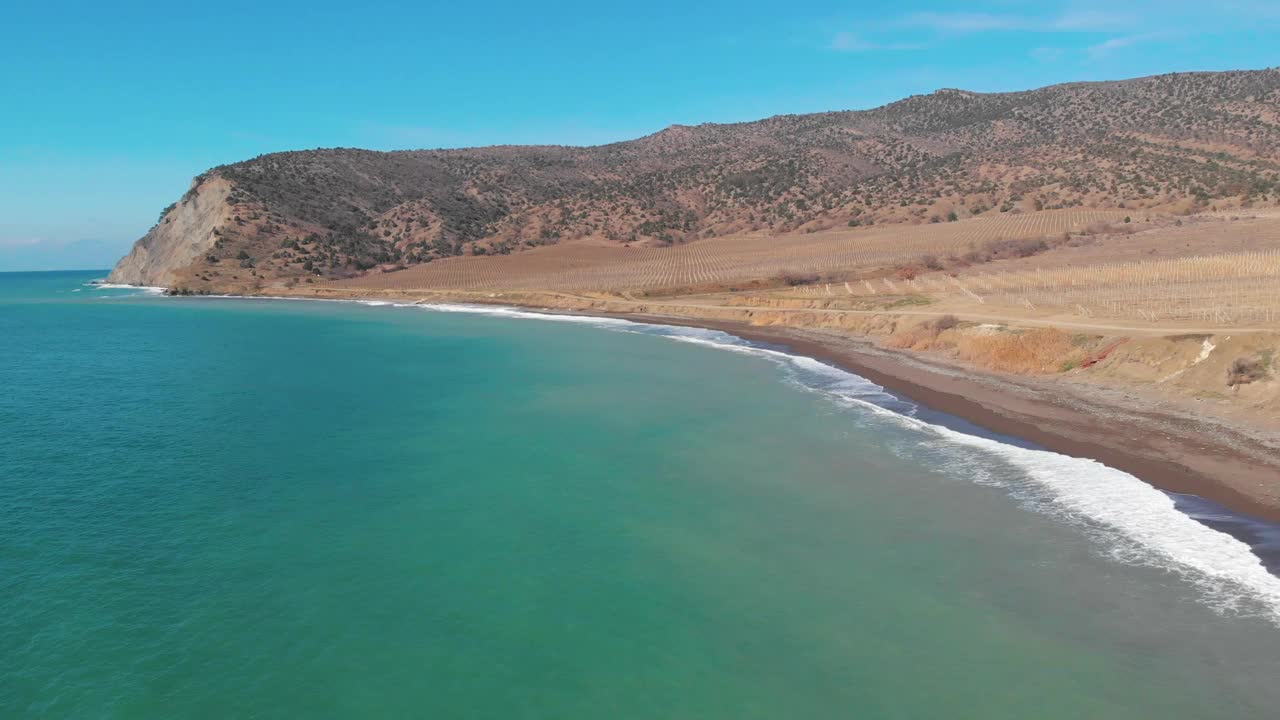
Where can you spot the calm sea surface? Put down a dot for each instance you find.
(225, 508)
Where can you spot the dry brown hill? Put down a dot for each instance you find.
(1178, 143)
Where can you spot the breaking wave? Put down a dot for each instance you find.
(138, 289)
(1132, 520)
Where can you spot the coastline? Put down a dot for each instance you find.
(1207, 457)
(897, 505)
(1169, 452)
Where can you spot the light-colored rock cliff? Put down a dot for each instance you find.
(182, 236)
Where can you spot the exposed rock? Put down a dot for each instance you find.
(182, 237)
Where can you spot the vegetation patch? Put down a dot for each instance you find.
(905, 301)
(1247, 370)
(793, 278)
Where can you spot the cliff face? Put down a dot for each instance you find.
(182, 237)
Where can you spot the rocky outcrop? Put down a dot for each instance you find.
(183, 236)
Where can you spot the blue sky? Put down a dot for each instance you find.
(108, 109)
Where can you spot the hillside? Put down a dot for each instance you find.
(1178, 143)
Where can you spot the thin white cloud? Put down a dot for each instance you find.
(962, 22)
(1106, 47)
(1092, 21)
(852, 42)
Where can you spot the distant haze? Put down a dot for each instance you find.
(18, 256)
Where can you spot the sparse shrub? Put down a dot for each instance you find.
(1246, 370)
(792, 278)
(1005, 250)
(946, 322)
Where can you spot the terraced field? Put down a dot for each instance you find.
(582, 267)
(1223, 289)
(1218, 272)
(1213, 269)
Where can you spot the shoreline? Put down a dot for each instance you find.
(1172, 452)
(988, 408)
(1166, 454)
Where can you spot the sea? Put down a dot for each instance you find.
(266, 508)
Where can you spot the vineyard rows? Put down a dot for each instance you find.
(1229, 288)
(576, 267)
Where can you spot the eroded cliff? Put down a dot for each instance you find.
(185, 234)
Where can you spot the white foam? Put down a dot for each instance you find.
(1151, 529)
(819, 375)
(275, 297)
(1137, 522)
(1140, 523)
(510, 312)
(145, 289)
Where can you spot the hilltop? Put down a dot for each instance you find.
(1179, 143)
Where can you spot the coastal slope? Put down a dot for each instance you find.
(1172, 144)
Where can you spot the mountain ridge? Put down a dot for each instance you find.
(1173, 143)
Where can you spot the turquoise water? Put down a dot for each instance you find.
(222, 508)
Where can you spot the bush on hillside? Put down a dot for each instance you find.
(1245, 370)
(792, 278)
